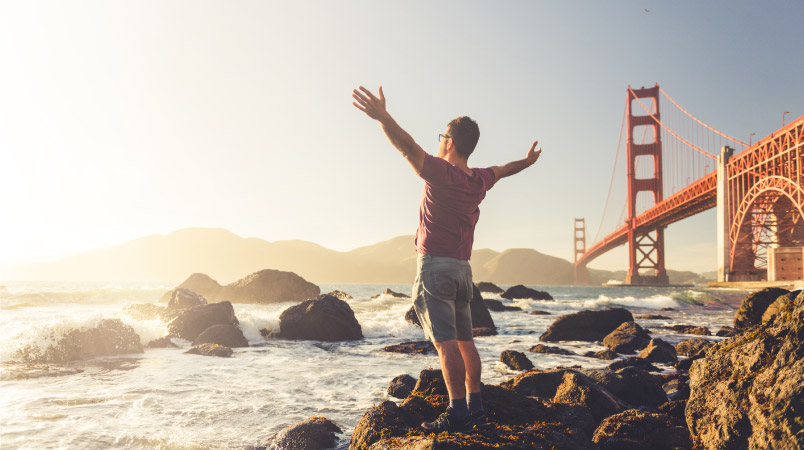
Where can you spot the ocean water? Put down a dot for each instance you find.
(166, 399)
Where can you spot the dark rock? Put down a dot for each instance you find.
(684, 364)
(388, 292)
(748, 391)
(537, 383)
(417, 347)
(192, 322)
(163, 342)
(484, 331)
(315, 433)
(491, 288)
(652, 317)
(668, 309)
(380, 422)
(633, 361)
(520, 291)
(602, 354)
(691, 329)
(781, 305)
(181, 298)
(337, 293)
(630, 384)
(515, 360)
(654, 431)
(727, 332)
(401, 386)
(580, 390)
(211, 350)
(586, 325)
(627, 338)
(690, 347)
(110, 337)
(540, 313)
(144, 311)
(498, 306)
(676, 390)
(265, 332)
(481, 317)
(659, 351)
(674, 409)
(265, 286)
(222, 334)
(541, 348)
(412, 318)
(754, 305)
(431, 382)
(323, 319)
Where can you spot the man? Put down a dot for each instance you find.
(447, 217)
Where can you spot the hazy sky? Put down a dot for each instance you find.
(124, 119)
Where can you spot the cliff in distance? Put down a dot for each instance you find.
(227, 257)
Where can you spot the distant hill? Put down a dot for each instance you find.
(227, 257)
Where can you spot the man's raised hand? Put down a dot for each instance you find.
(373, 106)
(533, 153)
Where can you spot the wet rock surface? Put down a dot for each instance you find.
(515, 360)
(416, 347)
(627, 338)
(401, 386)
(315, 433)
(586, 325)
(220, 351)
(635, 429)
(181, 298)
(109, 337)
(222, 334)
(323, 319)
(389, 292)
(520, 291)
(541, 348)
(748, 390)
(192, 322)
(498, 306)
(659, 351)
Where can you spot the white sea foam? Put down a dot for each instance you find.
(654, 302)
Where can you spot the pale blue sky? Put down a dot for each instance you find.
(123, 119)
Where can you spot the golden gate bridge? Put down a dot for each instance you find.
(678, 166)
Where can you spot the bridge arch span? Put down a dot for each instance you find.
(769, 213)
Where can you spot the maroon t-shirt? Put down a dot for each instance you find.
(449, 208)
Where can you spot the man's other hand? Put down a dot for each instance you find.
(533, 153)
(373, 106)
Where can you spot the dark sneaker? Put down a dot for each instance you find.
(479, 420)
(448, 422)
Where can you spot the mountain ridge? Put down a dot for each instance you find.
(226, 257)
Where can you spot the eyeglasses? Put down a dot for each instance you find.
(443, 136)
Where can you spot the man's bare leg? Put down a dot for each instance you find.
(452, 366)
(471, 361)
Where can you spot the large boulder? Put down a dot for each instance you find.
(754, 305)
(315, 433)
(498, 306)
(181, 298)
(109, 337)
(520, 291)
(431, 382)
(586, 325)
(635, 429)
(627, 338)
(265, 286)
(580, 390)
(515, 360)
(220, 351)
(659, 351)
(401, 386)
(690, 347)
(782, 305)
(537, 383)
(748, 391)
(631, 384)
(491, 288)
(222, 334)
(192, 322)
(326, 318)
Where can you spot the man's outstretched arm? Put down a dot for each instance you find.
(517, 166)
(374, 107)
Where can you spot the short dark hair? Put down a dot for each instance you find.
(465, 134)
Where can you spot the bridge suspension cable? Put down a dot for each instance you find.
(736, 141)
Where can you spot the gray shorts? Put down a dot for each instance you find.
(441, 295)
